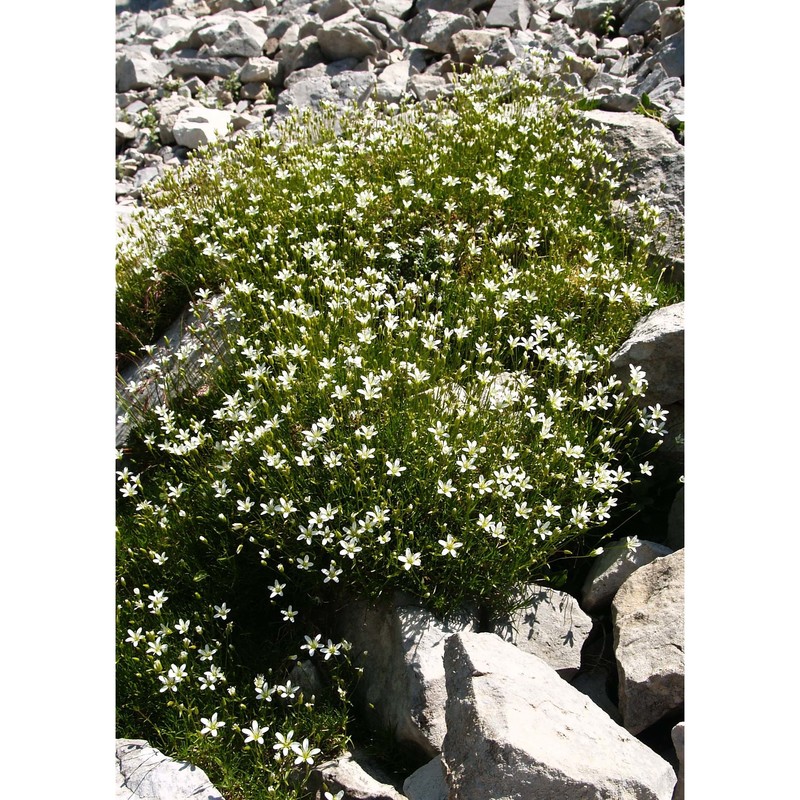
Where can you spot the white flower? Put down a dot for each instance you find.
(410, 559)
(212, 725)
(450, 546)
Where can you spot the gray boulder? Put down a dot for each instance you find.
(393, 82)
(354, 85)
(190, 66)
(467, 44)
(402, 689)
(197, 126)
(237, 36)
(613, 567)
(139, 70)
(671, 21)
(167, 110)
(427, 87)
(144, 773)
(509, 14)
(654, 168)
(338, 41)
(648, 618)
(656, 344)
(440, 30)
(329, 9)
(643, 16)
(588, 14)
(356, 776)
(551, 626)
(428, 782)
(516, 730)
(260, 70)
(308, 93)
(671, 54)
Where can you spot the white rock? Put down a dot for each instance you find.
(612, 568)
(551, 626)
(393, 82)
(260, 70)
(656, 344)
(467, 44)
(677, 741)
(517, 730)
(648, 617)
(440, 30)
(338, 41)
(348, 775)
(402, 689)
(197, 126)
(144, 773)
(509, 14)
(238, 36)
(140, 71)
(427, 87)
(428, 782)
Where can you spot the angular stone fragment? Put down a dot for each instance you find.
(306, 93)
(516, 730)
(428, 782)
(656, 344)
(402, 689)
(551, 626)
(260, 70)
(641, 18)
(671, 54)
(167, 110)
(654, 168)
(619, 101)
(329, 9)
(468, 44)
(144, 773)
(440, 30)
(612, 568)
(196, 126)
(648, 617)
(339, 41)
(203, 67)
(588, 14)
(509, 14)
(392, 82)
(671, 21)
(240, 38)
(427, 87)
(140, 71)
(355, 776)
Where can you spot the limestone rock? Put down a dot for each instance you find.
(440, 30)
(305, 93)
(140, 71)
(189, 66)
(238, 37)
(588, 14)
(167, 110)
(350, 40)
(648, 617)
(671, 54)
(354, 85)
(612, 568)
(551, 626)
(261, 70)
(197, 126)
(392, 82)
(656, 344)
(428, 782)
(329, 9)
(654, 168)
(427, 87)
(509, 14)
(467, 44)
(643, 16)
(515, 729)
(403, 686)
(355, 776)
(144, 773)
(671, 21)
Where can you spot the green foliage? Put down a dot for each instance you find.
(405, 320)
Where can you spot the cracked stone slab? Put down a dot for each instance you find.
(144, 773)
